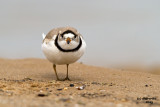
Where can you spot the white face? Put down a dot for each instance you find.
(68, 41)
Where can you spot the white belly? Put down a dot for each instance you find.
(58, 57)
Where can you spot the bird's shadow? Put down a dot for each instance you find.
(52, 76)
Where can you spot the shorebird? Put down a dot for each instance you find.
(63, 45)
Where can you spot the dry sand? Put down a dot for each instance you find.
(31, 83)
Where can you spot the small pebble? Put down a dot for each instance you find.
(71, 85)
(146, 85)
(60, 89)
(80, 88)
(65, 88)
(64, 99)
(42, 95)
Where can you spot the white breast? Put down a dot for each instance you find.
(58, 57)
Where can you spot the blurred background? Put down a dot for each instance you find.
(117, 32)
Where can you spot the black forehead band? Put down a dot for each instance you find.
(68, 31)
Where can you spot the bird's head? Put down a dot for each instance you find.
(68, 40)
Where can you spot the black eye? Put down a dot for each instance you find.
(75, 36)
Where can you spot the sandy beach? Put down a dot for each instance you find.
(32, 83)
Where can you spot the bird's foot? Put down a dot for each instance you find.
(66, 79)
(59, 79)
(63, 79)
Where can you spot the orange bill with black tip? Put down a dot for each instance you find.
(68, 40)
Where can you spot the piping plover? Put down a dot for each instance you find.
(64, 45)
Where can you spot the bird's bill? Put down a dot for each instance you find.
(68, 40)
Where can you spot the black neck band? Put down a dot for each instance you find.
(67, 50)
